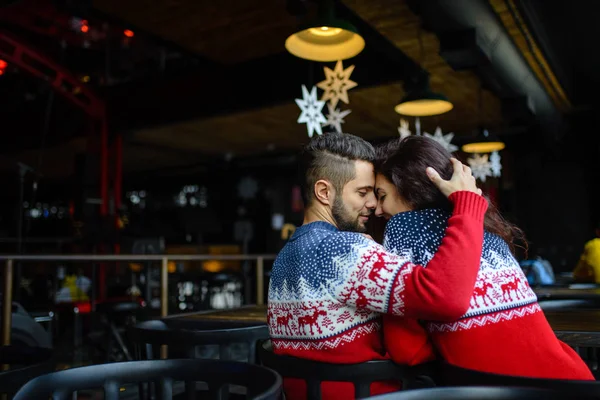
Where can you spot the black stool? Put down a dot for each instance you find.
(26, 362)
(115, 314)
(479, 393)
(451, 375)
(150, 335)
(361, 375)
(261, 383)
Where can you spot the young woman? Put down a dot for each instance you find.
(504, 331)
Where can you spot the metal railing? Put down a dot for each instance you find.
(9, 260)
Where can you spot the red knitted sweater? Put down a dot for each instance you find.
(504, 330)
(328, 290)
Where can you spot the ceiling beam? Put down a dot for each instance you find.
(251, 85)
(507, 60)
(517, 28)
(212, 90)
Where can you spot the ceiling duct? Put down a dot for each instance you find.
(461, 50)
(518, 110)
(488, 34)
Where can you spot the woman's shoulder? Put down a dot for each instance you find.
(494, 242)
(423, 229)
(414, 221)
(497, 253)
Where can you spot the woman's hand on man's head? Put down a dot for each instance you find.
(462, 179)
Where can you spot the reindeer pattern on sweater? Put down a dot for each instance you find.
(329, 288)
(501, 291)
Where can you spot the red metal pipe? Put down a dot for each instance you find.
(34, 62)
(101, 276)
(118, 182)
(44, 19)
(104, 168)
(118, 190)
(66, 84)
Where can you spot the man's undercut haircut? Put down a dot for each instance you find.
(331, 157)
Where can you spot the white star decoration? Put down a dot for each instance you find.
(480, 166)
(495, 164)
(311, 111)
(444, 140)
(335, 117)
(336, 84)
(403, 130)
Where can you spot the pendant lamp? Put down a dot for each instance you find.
(326, 38)
(421, 101)
(485, 142)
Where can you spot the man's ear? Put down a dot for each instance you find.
(324, 192)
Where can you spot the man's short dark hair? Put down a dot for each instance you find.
(331, 157)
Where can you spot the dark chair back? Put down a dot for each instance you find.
(451, 375)
(479, 393)
(360, 375)
(150, 335)
(261, 383)
(119, 307)
(26, 363)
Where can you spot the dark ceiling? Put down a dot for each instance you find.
(566, 32)
(202, 79)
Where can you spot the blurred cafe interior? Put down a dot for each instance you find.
(149, 164)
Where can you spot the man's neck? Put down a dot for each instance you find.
(314, 214)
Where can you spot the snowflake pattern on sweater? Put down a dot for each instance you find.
(501, 291)
(329, 287)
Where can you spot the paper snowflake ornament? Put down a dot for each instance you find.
(311, 111)
(336, 84)
(335, 117)
(418, 126)
(403, 130)
(495, 164)
(444, 140)
(480, 166)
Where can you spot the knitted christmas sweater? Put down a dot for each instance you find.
(329, 288)
(504, 330)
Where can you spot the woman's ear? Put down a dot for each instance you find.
(324, 192)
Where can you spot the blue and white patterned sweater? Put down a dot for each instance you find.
(329, 287)
(501, 291)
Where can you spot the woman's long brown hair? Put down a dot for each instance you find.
(403, 162)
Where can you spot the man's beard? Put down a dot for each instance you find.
(345, 221)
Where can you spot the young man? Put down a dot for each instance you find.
(330, 283)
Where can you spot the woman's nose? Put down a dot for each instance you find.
(371, 202)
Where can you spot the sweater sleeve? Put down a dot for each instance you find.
(366, 276)
(443, 290)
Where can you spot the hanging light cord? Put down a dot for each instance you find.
(480, 104)
(421, 50)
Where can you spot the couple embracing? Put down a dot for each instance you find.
(444, 284)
